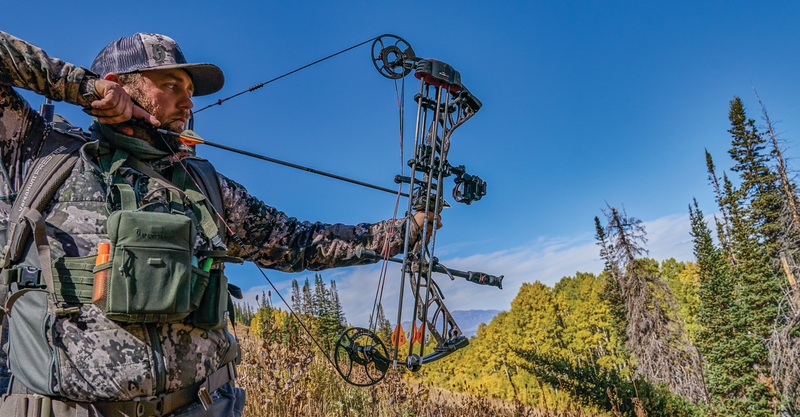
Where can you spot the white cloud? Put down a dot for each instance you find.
(670, 237)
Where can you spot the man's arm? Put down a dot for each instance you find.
(280, 242)
(26, 66)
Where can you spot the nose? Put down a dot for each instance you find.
(185, 100)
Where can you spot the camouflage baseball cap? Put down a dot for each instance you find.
(147, 51)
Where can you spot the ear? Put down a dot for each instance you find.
(113, 77)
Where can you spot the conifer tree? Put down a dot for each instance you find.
(756, 235)
(738, 299)
(716, 336)
(321, 302)
(383, 326)
(307, 307)
(297, 299)
(759, 183)
(328, 320)
(336, 305)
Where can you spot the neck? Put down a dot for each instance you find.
(142, 144)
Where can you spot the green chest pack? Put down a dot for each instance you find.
(153, 274)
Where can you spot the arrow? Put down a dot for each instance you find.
(191, 138)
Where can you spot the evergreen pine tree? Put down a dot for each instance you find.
(336, 305)
(307, 306)
(717, 333)
(320, 301)
(297, 299)
(327, 318)
(384, 328)
(759, 183)
(738, 295)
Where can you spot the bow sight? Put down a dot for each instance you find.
(443, 104)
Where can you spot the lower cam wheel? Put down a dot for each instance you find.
(360, 357)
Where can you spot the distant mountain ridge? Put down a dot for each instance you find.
(467, 320)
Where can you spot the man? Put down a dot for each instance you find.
(91, 357)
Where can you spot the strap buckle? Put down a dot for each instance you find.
(29, 277)
(232, 373)
(205, 398)
(39, 405)
(149, 406)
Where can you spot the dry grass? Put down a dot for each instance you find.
(287, 377)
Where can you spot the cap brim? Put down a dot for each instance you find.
(207, 78)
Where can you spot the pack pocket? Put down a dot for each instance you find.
(30, 356)
(211, 314)
(150, 272)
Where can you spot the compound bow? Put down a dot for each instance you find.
(443, 104)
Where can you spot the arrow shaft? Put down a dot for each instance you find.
(304, 168)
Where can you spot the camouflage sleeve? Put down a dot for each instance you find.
(26, 66)
(284, 243)
(21, 127)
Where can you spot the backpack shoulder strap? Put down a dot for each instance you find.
(58, 155)
(206, 176)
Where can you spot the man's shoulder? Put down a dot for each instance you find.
(63, 126)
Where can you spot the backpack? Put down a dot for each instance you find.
(152, 253)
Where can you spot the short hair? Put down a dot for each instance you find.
(130, 78)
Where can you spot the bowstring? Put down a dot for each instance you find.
(384, 267)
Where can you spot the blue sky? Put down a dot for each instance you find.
(584, 103)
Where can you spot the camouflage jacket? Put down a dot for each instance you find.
(99, 359)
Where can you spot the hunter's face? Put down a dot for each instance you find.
(167, 95)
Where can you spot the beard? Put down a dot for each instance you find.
(173, 122)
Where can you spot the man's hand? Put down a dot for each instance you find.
(419, 217)
(116, 106)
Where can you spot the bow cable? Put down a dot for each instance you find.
(257, 86)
